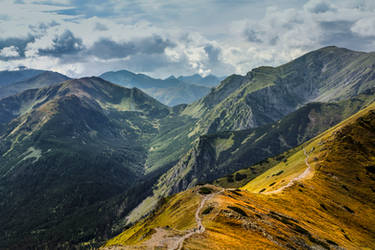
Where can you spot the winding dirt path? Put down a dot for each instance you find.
(168, 239)
(299, 177)
(200, 228)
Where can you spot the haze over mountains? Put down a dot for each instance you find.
(81, 158)
(170, 91)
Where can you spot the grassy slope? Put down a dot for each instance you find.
(261, 143)
(220, 154)
(333, 206)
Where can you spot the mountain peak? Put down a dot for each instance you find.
(172, 77)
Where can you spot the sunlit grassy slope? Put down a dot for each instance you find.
(332, 206)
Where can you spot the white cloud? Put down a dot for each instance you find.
(365, 27)
(218, 37)
(11, 51)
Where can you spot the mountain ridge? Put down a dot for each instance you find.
(332, 204)
(11, 76)
(266, 94)
(43, 79)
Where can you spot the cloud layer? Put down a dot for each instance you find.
(161, 38)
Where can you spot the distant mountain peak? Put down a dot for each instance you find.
(208, 80)
(172, 77)
(170, 91)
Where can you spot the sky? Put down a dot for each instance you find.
(176, 37)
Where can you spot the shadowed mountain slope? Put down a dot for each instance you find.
(65, 150)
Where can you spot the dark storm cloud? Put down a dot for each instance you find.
(19, 43)
(108, 49)
(63, 44)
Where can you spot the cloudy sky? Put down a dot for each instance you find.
(164, 37)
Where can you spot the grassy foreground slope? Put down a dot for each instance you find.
(321, 196)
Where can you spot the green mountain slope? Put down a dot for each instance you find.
(266, 94)
(321, 196)
(170, 91)
(66, 151)
(218, 155)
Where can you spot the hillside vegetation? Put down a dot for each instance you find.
(321, 196)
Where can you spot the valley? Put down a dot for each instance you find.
(176, 125)
(84, 159)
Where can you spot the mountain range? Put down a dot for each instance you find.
(170, 91)
(208, 81)
(83, 159)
